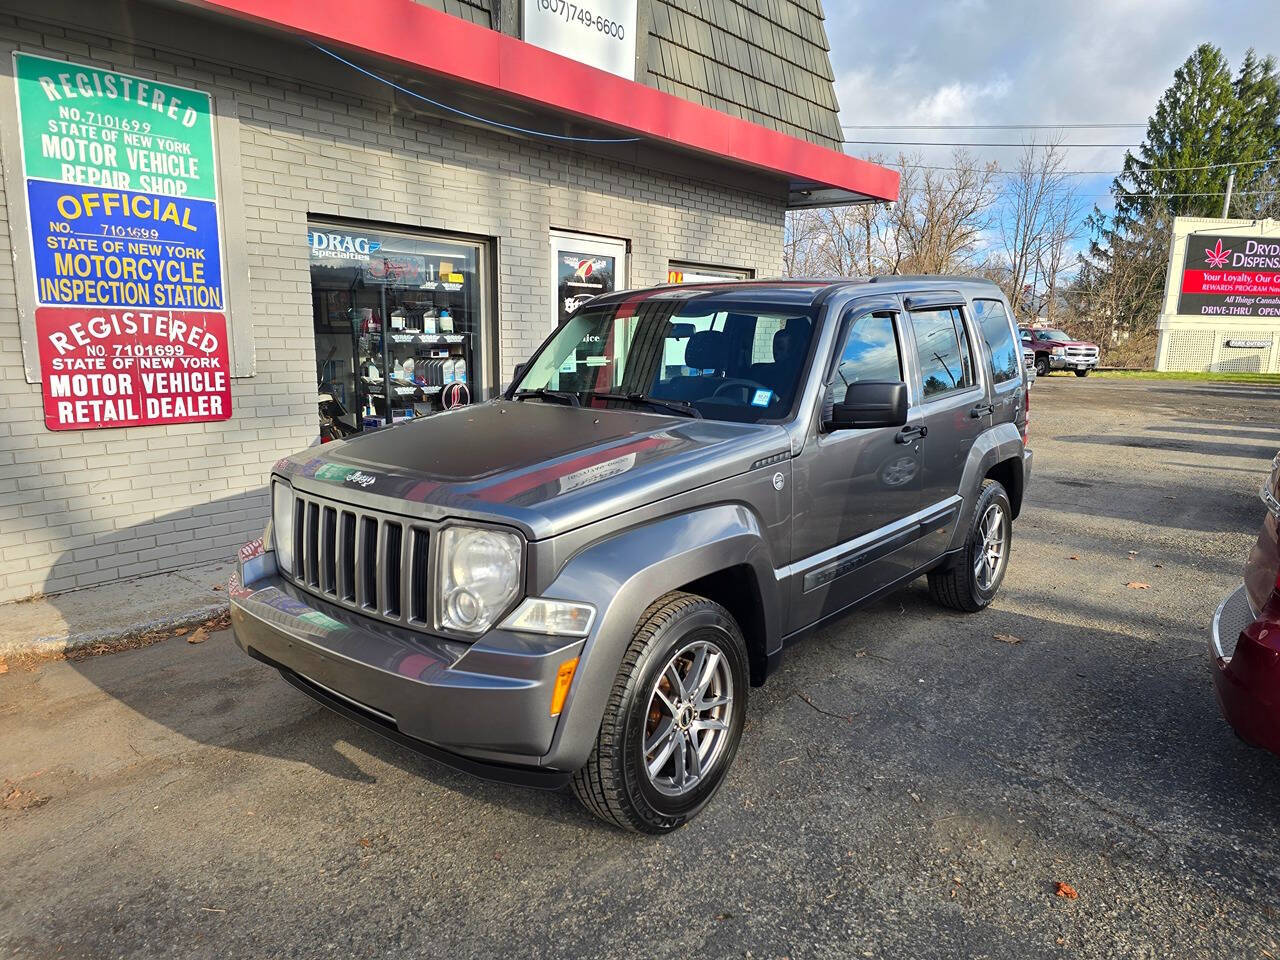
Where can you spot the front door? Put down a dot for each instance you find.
(582, 267)
(954, 405)
(855, 488)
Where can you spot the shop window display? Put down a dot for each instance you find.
(399, 321)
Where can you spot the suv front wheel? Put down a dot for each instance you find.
(673, 720)
(970, 583)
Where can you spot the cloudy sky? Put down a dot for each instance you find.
(1025, 61)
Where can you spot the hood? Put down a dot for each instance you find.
(546, 468)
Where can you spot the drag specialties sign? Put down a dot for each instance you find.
(124, 368)
(1230, 276)
(579, 277)
(122, 198)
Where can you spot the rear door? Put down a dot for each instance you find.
(1003, 358)
(954, 406)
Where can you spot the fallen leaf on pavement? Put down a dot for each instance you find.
(1006, 638)
(1073, 557)
(181, 631)
(199, 636)
(15, 798)
(861, 652)
(217, 586)
(4, 667)
(1138, 585)
(366, 842)
(1065, 890)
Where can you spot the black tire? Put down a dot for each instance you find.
(614, 784)
(957, 586)
(1082, 373)
(1042, 366)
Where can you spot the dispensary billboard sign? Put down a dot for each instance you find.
(122, 200)
(1230, 276)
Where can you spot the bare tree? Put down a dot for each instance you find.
(934, 227)
(941, 216)
(1039, 217)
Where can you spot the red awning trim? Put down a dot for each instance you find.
(424, 39)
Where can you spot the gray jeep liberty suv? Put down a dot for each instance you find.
(578, 582)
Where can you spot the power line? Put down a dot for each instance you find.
(988, 126)
(1083, 173)
(941, 143)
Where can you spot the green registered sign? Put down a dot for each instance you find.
(99, 128)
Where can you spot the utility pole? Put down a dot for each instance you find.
(1226, 201)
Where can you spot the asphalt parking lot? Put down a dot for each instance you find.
(908, 784)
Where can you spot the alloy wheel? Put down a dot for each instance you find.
(688, 718)
(990, 549)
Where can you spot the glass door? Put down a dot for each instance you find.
(584, 266)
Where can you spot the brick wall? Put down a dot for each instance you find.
(79, 508)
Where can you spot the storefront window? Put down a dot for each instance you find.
(399, 323)
(678, 272)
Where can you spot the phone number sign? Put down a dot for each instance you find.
(122, 196)
(130, 368)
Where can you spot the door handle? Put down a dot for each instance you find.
(907, 434)
(982, 410)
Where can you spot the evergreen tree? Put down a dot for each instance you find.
(1206, 124)
(1257, 89)
(1199, 124)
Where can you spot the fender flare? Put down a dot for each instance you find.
(626, 573)
(1002, 442)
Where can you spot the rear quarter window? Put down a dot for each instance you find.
(1004, 350)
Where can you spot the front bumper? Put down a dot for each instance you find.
(482, 707)
(1072, 363)
(1244, 656)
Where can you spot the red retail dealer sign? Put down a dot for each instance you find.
(110, 367)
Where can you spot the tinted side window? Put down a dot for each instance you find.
(943, 367)
(996, 331)
(870, 351)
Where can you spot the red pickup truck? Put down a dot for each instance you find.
(1055, 350)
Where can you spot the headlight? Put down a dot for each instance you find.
(282, 524)
(478, 575)
(1059, 351)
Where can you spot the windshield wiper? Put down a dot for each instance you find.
(675, 406)
(543, 393)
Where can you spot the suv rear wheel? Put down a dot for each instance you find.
(971, 582)
(673, 720)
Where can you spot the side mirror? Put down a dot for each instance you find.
(519, 371)
(874, 403)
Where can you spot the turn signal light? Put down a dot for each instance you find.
(564, 678)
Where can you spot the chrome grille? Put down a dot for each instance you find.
(375, 563)
(1087, 352)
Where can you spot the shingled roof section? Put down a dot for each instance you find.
(766, 61)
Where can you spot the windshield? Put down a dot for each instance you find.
(728, 363)
(1055, 335)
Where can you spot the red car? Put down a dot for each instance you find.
(1246, 636)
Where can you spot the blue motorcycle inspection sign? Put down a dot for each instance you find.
(121, 248)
